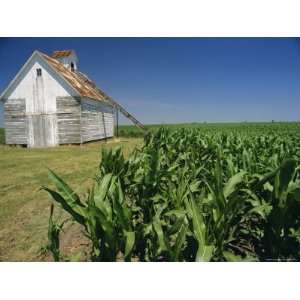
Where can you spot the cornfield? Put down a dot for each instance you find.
(193, 195)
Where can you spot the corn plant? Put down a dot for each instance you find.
(54, 230)
(104, 216)
(194, 195)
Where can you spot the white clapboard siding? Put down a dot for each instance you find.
(15, 121)
(40, 92)
(44, 110)
(97, 120)
(42, 130)
(68, 120)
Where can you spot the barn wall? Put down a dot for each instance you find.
(68, 120)
(42, 130)
(40, 94)
(36, 116)
(97, 120)
(15, 121)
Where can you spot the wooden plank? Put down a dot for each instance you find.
(96, 120)
(67, 105)
(15, 121)
(68, 120)
(42, 130)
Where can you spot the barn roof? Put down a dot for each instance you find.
(63, 53)
(79, 81)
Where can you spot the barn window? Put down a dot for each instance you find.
(39, 72)
(72, 67)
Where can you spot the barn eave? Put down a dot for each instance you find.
(35, 56)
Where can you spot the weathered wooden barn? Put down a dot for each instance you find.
(50, 102)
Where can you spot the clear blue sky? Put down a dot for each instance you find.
(172, 80)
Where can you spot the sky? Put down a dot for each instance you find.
(178, 80)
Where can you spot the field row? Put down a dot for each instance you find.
(196, 194)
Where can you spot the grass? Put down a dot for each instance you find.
(25, 209)
(2, 136)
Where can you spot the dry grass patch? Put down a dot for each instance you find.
(25, 209)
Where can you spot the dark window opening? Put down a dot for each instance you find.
(39, 72)
(72, 67)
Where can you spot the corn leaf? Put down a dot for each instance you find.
(232, 183)
(130, 239)
(231, 257)
(77, 212)
(160, 235)
(180, 239)
(204, 253)
(66, 192)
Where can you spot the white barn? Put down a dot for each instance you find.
(49, 102)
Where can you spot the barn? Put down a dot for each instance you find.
(50, 102)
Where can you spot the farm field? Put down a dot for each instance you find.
(205, 192)
(133, 131)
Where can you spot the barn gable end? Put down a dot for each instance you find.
(49, 102)
(31, 105)
(24, 82)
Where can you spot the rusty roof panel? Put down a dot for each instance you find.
(79, 81)
(63, 53)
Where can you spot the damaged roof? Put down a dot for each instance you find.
(79, 81)
(63, 53)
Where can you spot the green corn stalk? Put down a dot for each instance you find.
(54, 230)
(104, 216)
(194, 194)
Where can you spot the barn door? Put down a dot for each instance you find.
(41, 115)
(42, 130)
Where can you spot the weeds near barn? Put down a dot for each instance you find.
(54, 230)
(189, 195)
